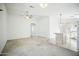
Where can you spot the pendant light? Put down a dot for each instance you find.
(28, 16)
(43, 5)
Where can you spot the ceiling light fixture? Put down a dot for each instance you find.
(43, 5)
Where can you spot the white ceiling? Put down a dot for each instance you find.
(67, 9)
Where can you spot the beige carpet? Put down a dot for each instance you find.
(35, 46)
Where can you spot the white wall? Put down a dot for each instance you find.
(43, 27)
(54, 26)
(78, 37)
(18, 26)
(3, 27)
(34, 28)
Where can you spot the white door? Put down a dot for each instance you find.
(33, 28)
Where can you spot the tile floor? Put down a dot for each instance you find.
(35, 46)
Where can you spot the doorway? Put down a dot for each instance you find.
(40, 27)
